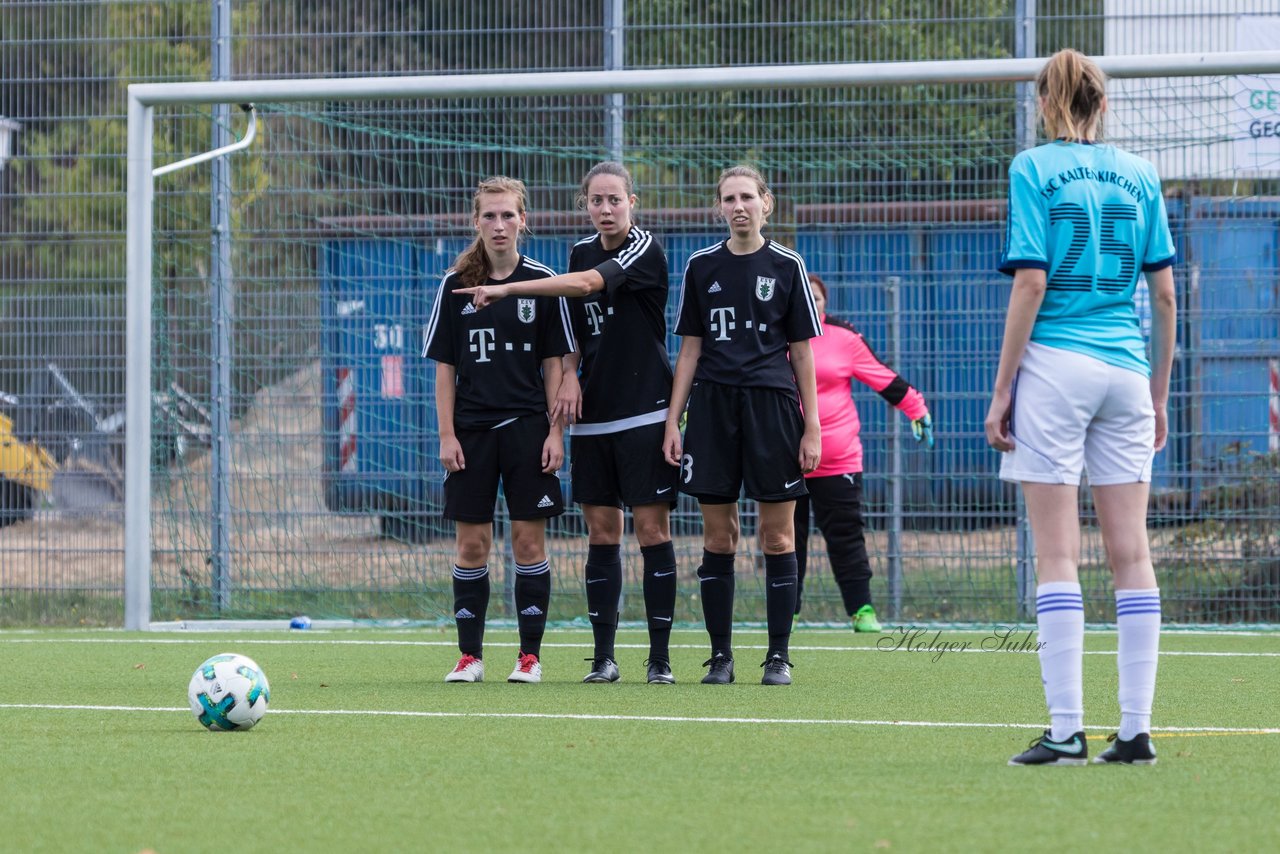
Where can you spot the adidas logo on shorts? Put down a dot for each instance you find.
(470, 309)
(532, 611)
(464, 614)
(714, 289)
(546, 501)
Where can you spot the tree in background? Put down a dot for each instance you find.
(69, 213)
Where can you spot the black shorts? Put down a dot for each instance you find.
(512, 453)
(740, 438)
(623, 468)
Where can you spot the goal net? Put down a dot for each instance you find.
(292, 465)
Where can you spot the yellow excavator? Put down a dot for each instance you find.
(26, 473)
(79, 466)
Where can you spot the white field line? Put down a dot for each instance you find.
(919, 648)
(633, 718)
(506, 624)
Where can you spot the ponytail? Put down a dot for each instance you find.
(472, 265)
(1071, 88)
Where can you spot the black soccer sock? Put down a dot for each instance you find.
(604, 590)
(801, 520)
(659, 597)
(856, 594)
(533, 595)
(715, 578)
(470, 604)
(780, 599)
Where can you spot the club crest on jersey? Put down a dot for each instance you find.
(765, 288)
(525, 310)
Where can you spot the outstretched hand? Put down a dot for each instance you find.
(922, 429)
(483, 295)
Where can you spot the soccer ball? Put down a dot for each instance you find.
(228, 692)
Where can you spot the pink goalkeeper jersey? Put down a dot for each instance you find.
(840, 356)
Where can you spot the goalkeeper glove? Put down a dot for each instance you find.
(922, 429)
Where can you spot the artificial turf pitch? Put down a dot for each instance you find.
(366, 749)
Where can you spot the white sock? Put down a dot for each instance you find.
(1060, 619)
(1138, 627)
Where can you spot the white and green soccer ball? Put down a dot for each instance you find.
(228, 692)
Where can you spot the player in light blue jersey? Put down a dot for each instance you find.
(1075, 392)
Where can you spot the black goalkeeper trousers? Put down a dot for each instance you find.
(836, 503)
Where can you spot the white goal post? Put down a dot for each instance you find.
(144, 98)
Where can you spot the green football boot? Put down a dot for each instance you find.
(865, 620)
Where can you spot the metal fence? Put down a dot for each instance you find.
(885, 185)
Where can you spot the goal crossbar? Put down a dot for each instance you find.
(689, 79)
(143, 98)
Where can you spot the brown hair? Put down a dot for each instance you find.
(742, 171)
(607, 167)
(473, 266)
(816, 281)
(1071, 88)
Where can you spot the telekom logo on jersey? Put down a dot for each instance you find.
(482, 343)
(722, 322)
(595, 316)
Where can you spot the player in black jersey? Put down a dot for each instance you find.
(497, 373)
(745, 307)
(617, 410)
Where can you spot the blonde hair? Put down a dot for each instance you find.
(473, 266)
(742, 171)
(607, 167)
(1071, 88)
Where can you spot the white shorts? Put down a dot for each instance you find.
(1074, 413)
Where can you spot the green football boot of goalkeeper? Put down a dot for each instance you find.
(864, 620)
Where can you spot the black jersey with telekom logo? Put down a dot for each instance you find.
(747, 309)
(622, 332)
(497, 350)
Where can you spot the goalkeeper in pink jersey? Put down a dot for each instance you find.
(835, 486)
